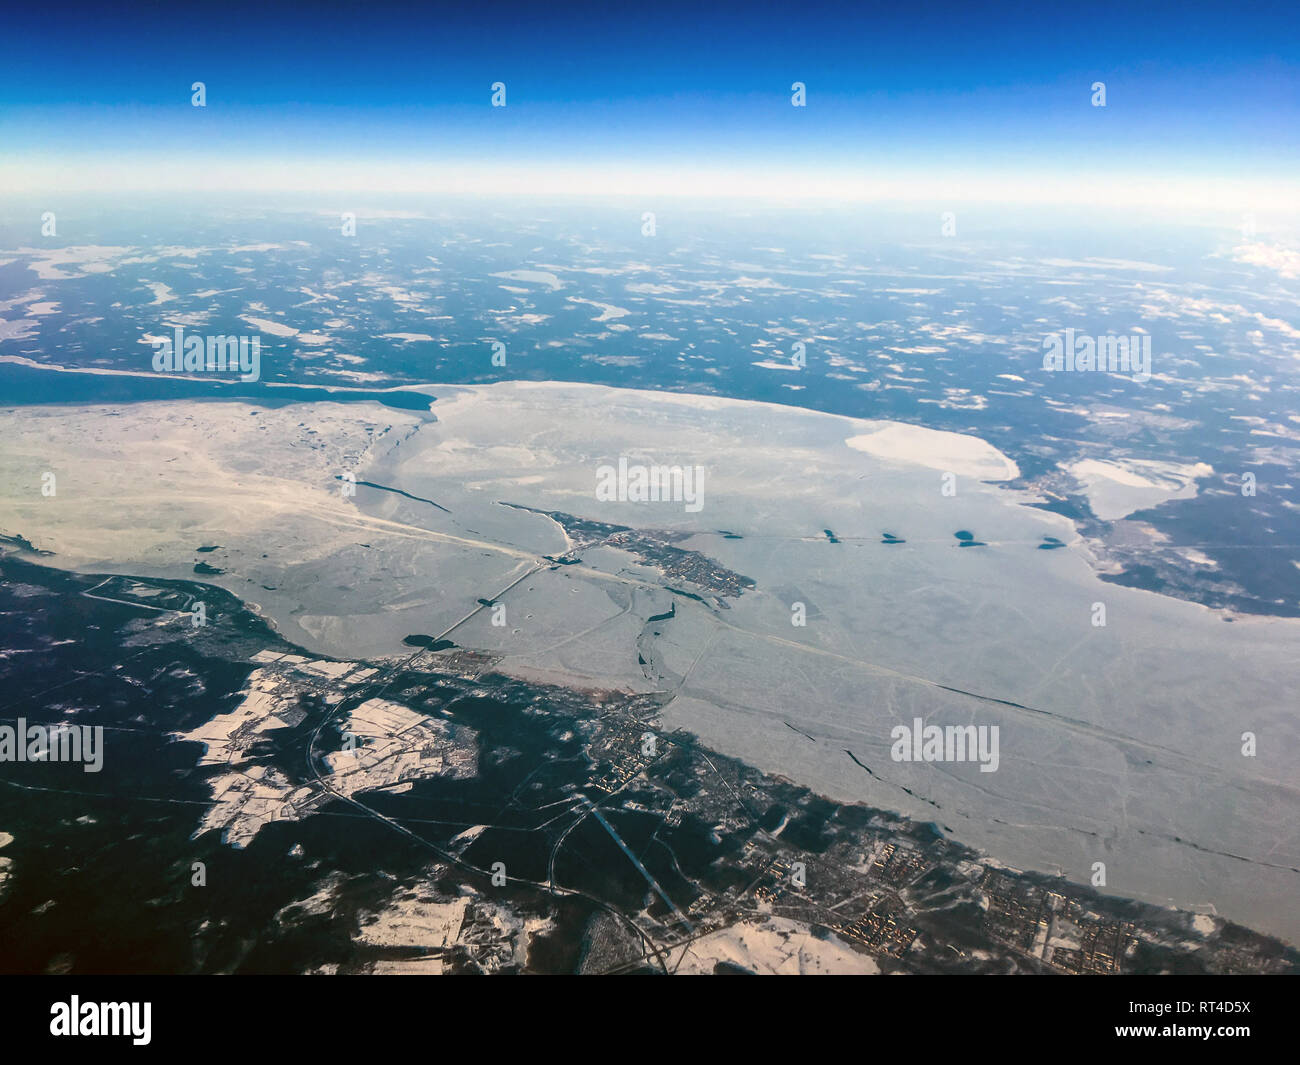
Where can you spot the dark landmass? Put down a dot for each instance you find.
(654, 547)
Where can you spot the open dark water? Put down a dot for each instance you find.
(26, 386)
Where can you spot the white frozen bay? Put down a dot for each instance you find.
(1119, 744)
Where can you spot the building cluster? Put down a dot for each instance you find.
(1053, 927)
(898, 865)
(1079, 941)
(882, 930)
(680, 566)
(619, 755)
(1015, 911)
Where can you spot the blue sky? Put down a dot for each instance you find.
(968, 91)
